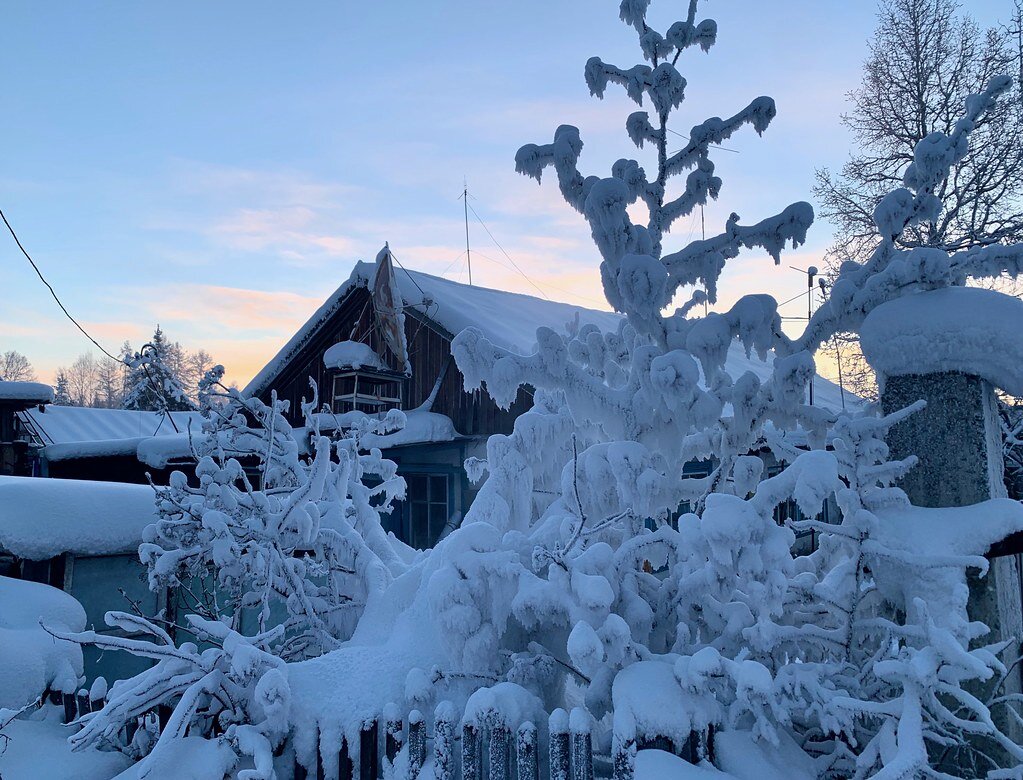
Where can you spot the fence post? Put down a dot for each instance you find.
(345, 766)
(369, 760)
(98, 693)
(70, 706)
(84, 706)
(444, 718)
(623, 757)
(393, 736)
(472, 753)
(525, 752)
(500, 767)
(558, 726)
(582, 744)
(416, 743)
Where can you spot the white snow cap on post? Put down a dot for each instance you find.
(964, 329)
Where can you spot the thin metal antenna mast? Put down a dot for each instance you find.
(465, 209)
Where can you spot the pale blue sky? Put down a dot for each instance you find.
(219, 167)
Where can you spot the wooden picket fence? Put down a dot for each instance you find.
(466, 751)
(75, 704)
(496, 752)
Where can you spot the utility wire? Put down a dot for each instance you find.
(49, 287)
(403, 268)
(551, 286)
(122, 360)
(716, 146)
(498, 245)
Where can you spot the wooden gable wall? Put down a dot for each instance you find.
(429, 354)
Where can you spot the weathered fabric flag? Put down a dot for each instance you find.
(389, 309)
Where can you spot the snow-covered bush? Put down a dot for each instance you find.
(235, 687)
(273, 555)
(303, 538)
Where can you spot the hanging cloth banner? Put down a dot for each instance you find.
(389, 309)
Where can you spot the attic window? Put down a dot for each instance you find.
(372, 392)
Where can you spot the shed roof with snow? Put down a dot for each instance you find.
(69, 432)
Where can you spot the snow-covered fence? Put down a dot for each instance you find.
(471, 747)
(77, 704)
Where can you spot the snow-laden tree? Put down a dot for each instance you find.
(855, 649)
(272, 556)
(306, 538)
(926, 58)
(576, 567)
(153, 384)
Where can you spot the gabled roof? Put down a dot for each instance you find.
(507, 319)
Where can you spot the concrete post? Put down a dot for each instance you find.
(958, 442)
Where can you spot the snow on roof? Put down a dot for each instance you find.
(36, 392)
(507, 319)
(41, 518)
(352, 354)
(421, 427)
(965, 329)
(79, 432)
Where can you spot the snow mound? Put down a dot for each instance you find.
(352, 354)
(964, 329)
(36, 392)
(420, 426)
(41, 518)
(39, 750)
(160, 451)
(745, 758)
(661, 765)
(649, 702)
(34, 661)
(189, 758)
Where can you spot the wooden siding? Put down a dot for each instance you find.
(429, 346)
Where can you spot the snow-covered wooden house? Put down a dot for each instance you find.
(382, 341)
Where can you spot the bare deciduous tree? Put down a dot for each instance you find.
(925, 60)
(15, 367)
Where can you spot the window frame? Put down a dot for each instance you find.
(378, 402)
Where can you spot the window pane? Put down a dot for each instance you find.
(416, 487)
(419, 532)
(439, 488)
(438, 517)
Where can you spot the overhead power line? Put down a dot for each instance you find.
(122, 360)
(49, 287)
(498, 245)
